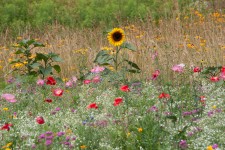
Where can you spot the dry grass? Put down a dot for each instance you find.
(192, 40)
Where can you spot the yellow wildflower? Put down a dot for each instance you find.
(128, 134)
(19, 38)
(140, 129)
(83, 146)
(107, 48)
(189, 45)
(69, 131)
(214, 106)
(9, 144)
(5, 109)
(209, 147)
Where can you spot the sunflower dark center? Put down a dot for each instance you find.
(117, 36)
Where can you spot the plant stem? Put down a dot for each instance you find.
(116, 58)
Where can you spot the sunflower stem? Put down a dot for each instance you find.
(116, 58)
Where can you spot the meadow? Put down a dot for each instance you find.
(154, 81)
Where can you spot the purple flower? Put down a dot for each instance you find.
(42, 136)
(48, 142)
(215, 146)
(49, 137)
(58, 109)
(73, 110)
(183, 144)
(60, 133)
(190, 133)
(48, 133)
(11, 80)
(33, 146)
(210, 113)
(67, 138)
(66, 143)
(187, 113)
(153, 109)
(74, 138)
(53, 112)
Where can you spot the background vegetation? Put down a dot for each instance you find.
(18, 14)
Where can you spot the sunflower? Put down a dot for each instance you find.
(116, 37)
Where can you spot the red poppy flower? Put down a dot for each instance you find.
(48, 100)
(164, 95)
(117, 101)
(214, 79)
(40, 120)
(6, 126)
(58, 92)
(196, 69)
(51, 81)
(125, 88)
(92, 105)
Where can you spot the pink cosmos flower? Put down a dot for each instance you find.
(40, 82)
(155, 74)
(69, 84)
(178, 68)
(155, 54)
(222, 75)
(9, 97)
(96, 79)
(97, 69)
(58, 92)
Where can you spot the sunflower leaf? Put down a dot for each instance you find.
(132, 64)
(103, 58)
(128, 46)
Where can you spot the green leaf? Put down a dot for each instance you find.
(46, 71)
(38, 44)
(103, 58)
(132, 64)
(220, 83)
(57, 59)
(40, 56)
(35, 65)
(20, 51)
(128, 46)
(173, 118)
(133, 71)
(57, 68)
(15, 61)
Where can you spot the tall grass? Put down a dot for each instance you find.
(195, 40)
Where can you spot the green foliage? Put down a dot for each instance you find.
(16, 14)
(39, 64)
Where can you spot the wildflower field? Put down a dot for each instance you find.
(151, 81)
